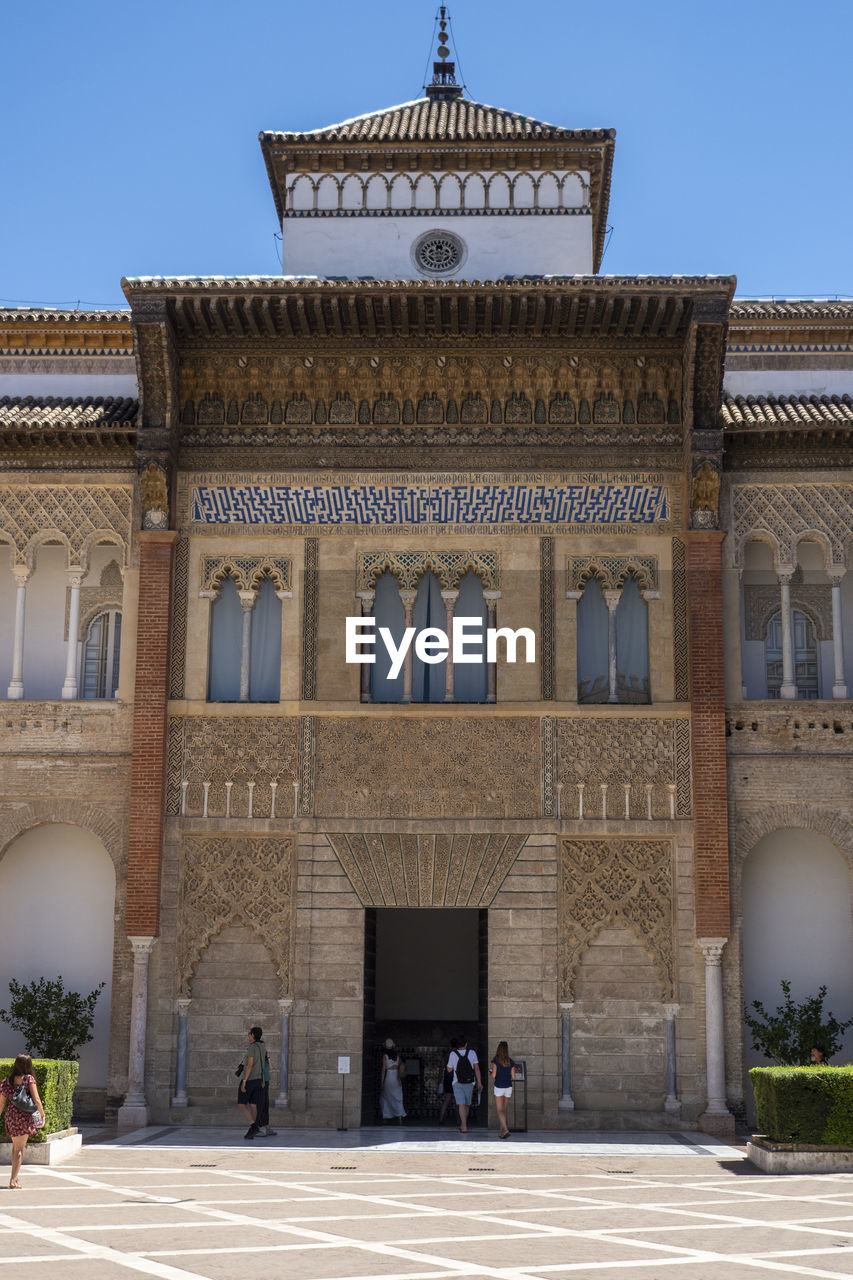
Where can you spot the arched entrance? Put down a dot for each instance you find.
(57, 908)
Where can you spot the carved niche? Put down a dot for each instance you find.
(236, 880)
(615, 882)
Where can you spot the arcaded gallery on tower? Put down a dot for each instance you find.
(438, 418)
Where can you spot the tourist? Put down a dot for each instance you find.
(391, 1084)
(21, 1124)
(263, 1122)
(818, 1055)
(466, 1070)
(502, 1070)
(445, 1085)
(252, 1083)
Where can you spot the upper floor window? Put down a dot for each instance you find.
(245, 644)
(613, 643)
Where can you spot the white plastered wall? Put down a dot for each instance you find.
(57, 888)
(788, 382)
(44, 625)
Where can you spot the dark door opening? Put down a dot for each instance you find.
(425, 980)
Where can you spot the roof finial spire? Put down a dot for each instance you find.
(443, 87)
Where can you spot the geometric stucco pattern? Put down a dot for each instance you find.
(76, 514)
(236, 880)
(784, 513)
(607, 882)
(388, 870)
(637, 752)
(408, 566)
(613, 571)
(247, 572)
(761, 602)
(220, 749)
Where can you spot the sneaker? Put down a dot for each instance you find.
(250, 1132)
(267, 1133)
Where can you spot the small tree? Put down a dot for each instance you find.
(53, 1022)
(787, 1037)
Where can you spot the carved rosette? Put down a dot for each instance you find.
(616, 882)
(227, 880)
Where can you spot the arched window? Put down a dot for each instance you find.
(613, 624)
(262, 677)
(101, 655)
(429, 680)
(806, 665)
(470, 679)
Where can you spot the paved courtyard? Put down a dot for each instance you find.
(408, 1205)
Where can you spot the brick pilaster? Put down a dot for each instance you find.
(148, 767)
(707, 695)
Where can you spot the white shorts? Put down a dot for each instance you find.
(503, 1093)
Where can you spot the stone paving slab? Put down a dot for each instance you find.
(666, 1207)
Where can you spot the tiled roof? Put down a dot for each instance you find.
(52, 413)
(45, 315)
(804, 309)
(782, 412)
(431, 120)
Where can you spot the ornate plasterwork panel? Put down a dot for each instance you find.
(236, 879)
(604, 882)
(680, 626)
(638, 751)
(429, 767)
(388, 870)
(408, 566)
(612, 571)
(785, 513)
(79, 515)
(760, 602)
(236, 749)
(247, 571)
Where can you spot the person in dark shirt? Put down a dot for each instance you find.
(502, 1070)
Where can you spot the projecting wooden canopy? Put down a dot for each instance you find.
(632, 308)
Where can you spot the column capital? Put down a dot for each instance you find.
(286, 1005)
(566, 1006)
(784, 575)
(247, 600)
(365, 595)
(21, 574)
(491, 597)
(141, 945)
(612, 596)
(450, 597)
(712, 949)
(671, 1010)
(574, 595)
(408, 597)
(836, 573)
(75, 575)
(182, 1005)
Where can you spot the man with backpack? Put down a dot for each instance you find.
(466, 1071)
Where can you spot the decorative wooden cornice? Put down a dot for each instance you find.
(46, 333)
(650, 308)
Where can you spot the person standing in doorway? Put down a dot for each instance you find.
(391, 1084)
(466, 1072)
(446, 1084)
(20, 1125)
(250, 1091)
(502, 1071)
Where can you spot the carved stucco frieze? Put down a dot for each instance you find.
(247, 572)
(409, 566)
(235, 749)
(236, 879)
(388, 870)
(612, 571)
(640, 752)
(784, 514)
(79, 516)
(616, 882)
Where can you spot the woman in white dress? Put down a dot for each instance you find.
(391, 1084)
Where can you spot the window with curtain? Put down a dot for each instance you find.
(101, 656)
(429, 680)
(226, 645)
(592, 645)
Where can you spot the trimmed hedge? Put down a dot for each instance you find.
(56, 1081)
(805, 1104)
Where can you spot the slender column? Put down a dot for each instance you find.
(839, 688)
(69, 689)
(286, 1007)
(491, 598)
(247, 604)
(180, 1099)
(566, 1102)
(671, 1102)
(716, 1112)
(133, 1113)
(367, 599)
(408, 598)
(449, 598)
(16, 685)
(571, 674)
(611, 599)
(789, 688)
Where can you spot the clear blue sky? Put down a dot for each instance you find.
(129, 138)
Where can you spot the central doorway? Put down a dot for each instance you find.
(425, 980)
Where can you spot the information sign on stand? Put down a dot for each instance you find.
(343, 1072)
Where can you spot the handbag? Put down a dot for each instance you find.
(23, 1100)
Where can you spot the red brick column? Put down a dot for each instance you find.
(148, 767)
(707, 696)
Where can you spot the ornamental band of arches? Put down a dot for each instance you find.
(427, 192)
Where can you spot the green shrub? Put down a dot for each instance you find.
(787, 1036)
(52, 1021)
(55, 1081)
(805, 1104)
